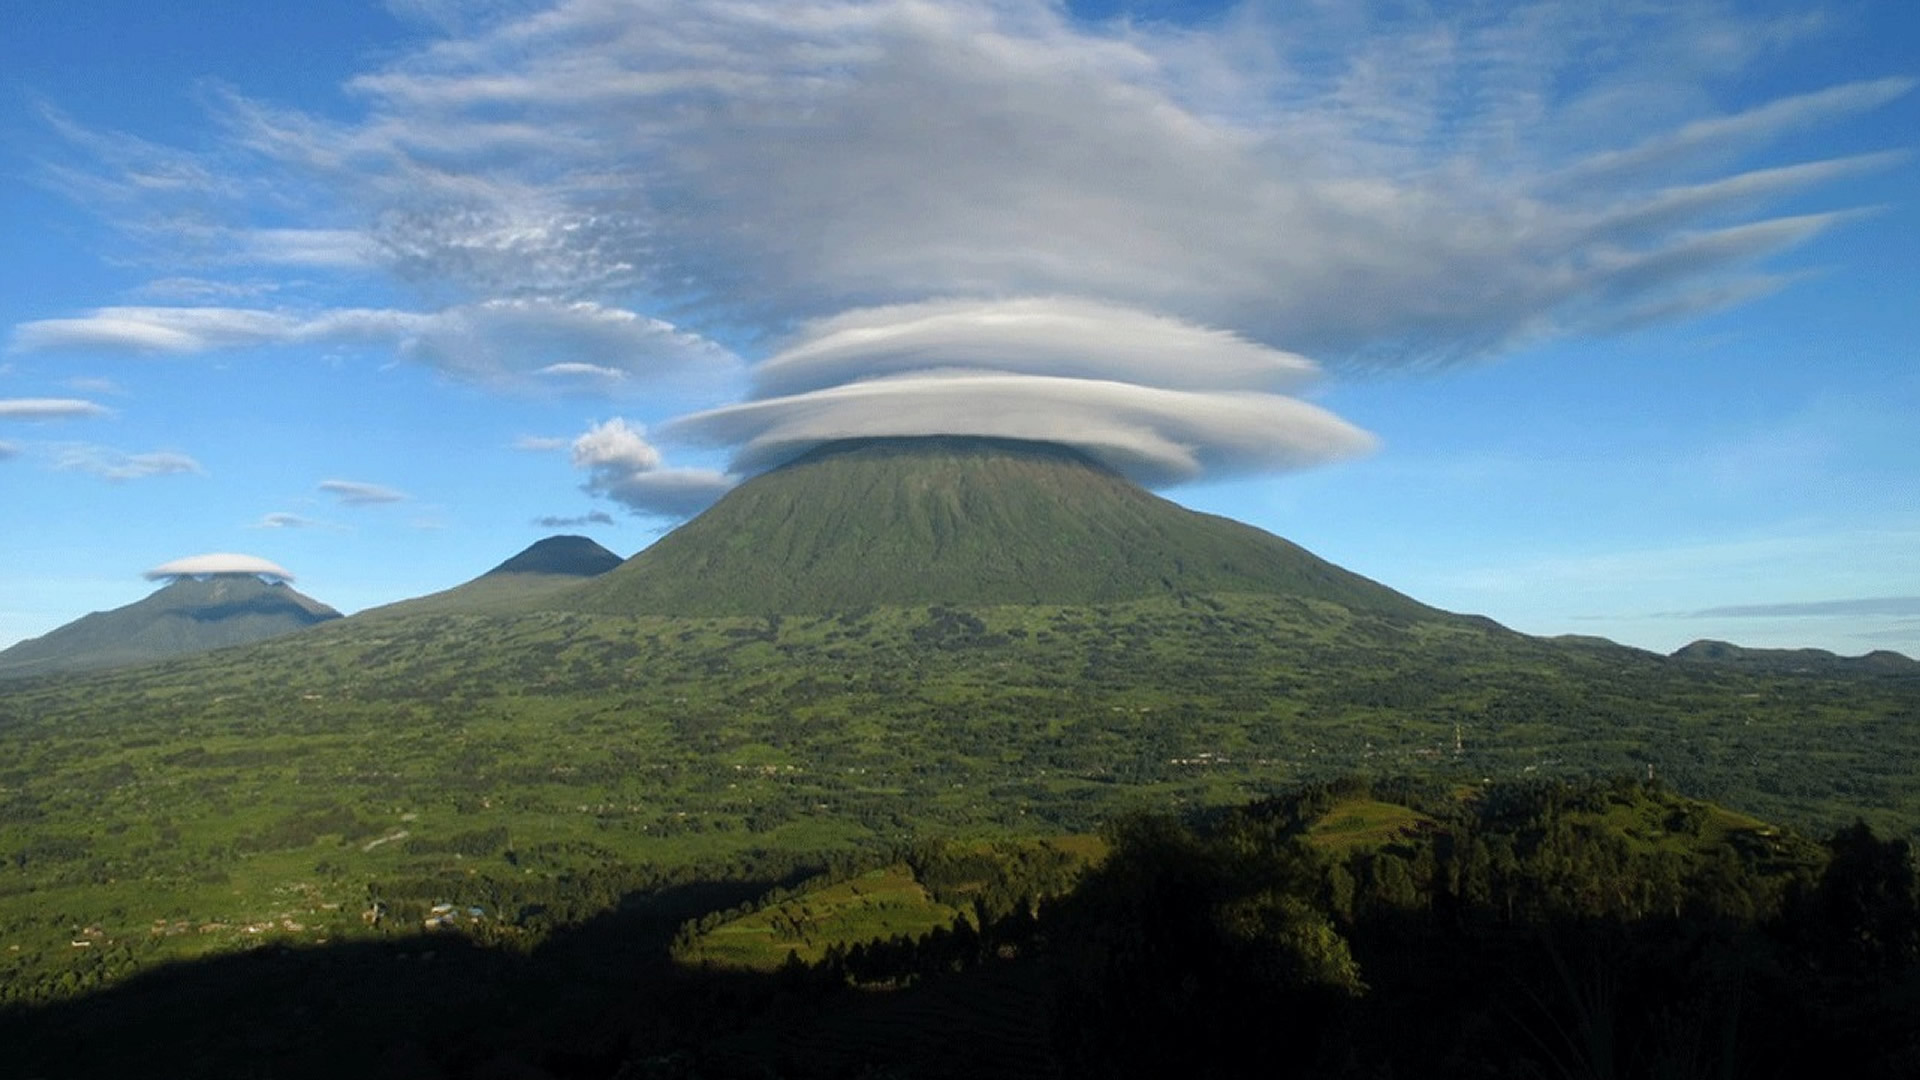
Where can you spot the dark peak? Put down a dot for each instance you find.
(572, 556)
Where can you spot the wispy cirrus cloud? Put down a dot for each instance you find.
(596, 517)
(94, 384)
(50, 409)
(117, 465)
(281, 519)
(358, 493)
(499, 341)
(1876, 605)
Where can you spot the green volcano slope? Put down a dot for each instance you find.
(899, 522)
(188, 616)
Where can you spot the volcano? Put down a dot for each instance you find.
(192, 614)
(545, 567)
(959, 521)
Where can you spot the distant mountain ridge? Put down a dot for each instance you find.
(1708, 651)
(190, 615)
(953, 520)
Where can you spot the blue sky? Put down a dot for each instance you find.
(1584, 317)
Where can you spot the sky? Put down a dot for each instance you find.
(1594, 317)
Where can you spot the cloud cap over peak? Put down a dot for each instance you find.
(1155, 436)
(217, 563)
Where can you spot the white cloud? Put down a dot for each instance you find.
(623, 466)
(116, 465)
(616, 445)
(49, 409)
(356, 493)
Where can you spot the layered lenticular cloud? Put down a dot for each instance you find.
(1066, 338)
(1156, 398)
(994, 217)
(1156, 436)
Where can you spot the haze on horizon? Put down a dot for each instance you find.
(1584, 318)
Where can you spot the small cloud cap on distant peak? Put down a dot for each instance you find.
(218, 563)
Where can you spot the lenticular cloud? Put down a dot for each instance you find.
(1157, 436)
(1155, 398)
(1068, 338)
(218, 564)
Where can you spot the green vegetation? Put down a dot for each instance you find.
(1526, 928)
(260, 794)
(516, 774)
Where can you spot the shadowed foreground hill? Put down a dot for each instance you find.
(884, 522)
(548, 566)
(189, 616)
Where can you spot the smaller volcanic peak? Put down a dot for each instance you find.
(209, 602)
(523, 583)
(572, 556)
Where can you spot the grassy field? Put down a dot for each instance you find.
(877, 904)
(1366, 823)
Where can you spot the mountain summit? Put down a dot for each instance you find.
(572, 556)
(190, 615)
(545, 567)
(950, 520)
